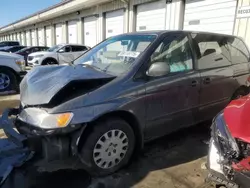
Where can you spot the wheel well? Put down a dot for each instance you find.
(49, 58)
(10, 69)
(126, 116)
(242, 87)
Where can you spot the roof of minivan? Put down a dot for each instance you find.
(159, 32)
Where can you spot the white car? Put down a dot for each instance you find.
(59, 54)
(12, 69)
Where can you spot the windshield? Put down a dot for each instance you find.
(55, 48)
(116, 55)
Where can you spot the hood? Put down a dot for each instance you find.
(40, 53)
(42, 83)
(10, 55)
(237, 117)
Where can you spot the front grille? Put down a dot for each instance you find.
(30, 58)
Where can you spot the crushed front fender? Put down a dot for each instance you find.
(13, 152)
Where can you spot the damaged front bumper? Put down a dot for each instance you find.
(24, 141)
(13, 152)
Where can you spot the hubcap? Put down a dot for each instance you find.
(4, 81)
(110, 149)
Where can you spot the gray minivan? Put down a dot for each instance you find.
(129, 89)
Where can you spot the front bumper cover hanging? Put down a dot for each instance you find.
(13, 152)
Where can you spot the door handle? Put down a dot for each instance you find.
(206, 80)
(218, 59)
(194, 83)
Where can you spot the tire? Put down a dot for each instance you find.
(117, 131)
(8, 80)
(240, 92)
(50, 61)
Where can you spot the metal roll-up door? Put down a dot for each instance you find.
(114, 23)
(28, 41)
(41, 41)
(48, 34)
(58, 33)
(210, 15)
(72, 32)
(151, 16)
(90, 31)
(19, 37)
(22, 38)
(33, 37)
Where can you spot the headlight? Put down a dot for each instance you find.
(38, 56)
(21, 64)
(40, 118)
(224, 135)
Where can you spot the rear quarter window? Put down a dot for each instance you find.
(212, 51)
(78, 48)
(238, 50)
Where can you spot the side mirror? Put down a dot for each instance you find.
(61, 51)
(158, 69)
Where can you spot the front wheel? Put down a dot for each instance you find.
(108, 147)
(8, 81)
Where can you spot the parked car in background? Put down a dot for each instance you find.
(28, 50)
(9, 43)
(59, 54)
(11, 49)
(229, 150)
(12, 70)
(127, 90)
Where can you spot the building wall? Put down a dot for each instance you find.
(242, 25)
(173, 16)
(204, 15)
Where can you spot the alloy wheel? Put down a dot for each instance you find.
(4, 81)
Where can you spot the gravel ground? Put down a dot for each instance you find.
(173, 161)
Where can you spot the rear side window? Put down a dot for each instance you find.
(239, 51)
(212, 51)
(78, 48)
(13, 43)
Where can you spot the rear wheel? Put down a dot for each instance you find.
(8, 80)
(108, 147)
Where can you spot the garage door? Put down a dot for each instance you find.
(151, 16)
(19, 37)
(48, 36)
(22, 39)
(114, 23)
(33, 37)
(90, 31)
(28, 41)
(58, 33)
(210, 15)
(72, 32)
(41, 41)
